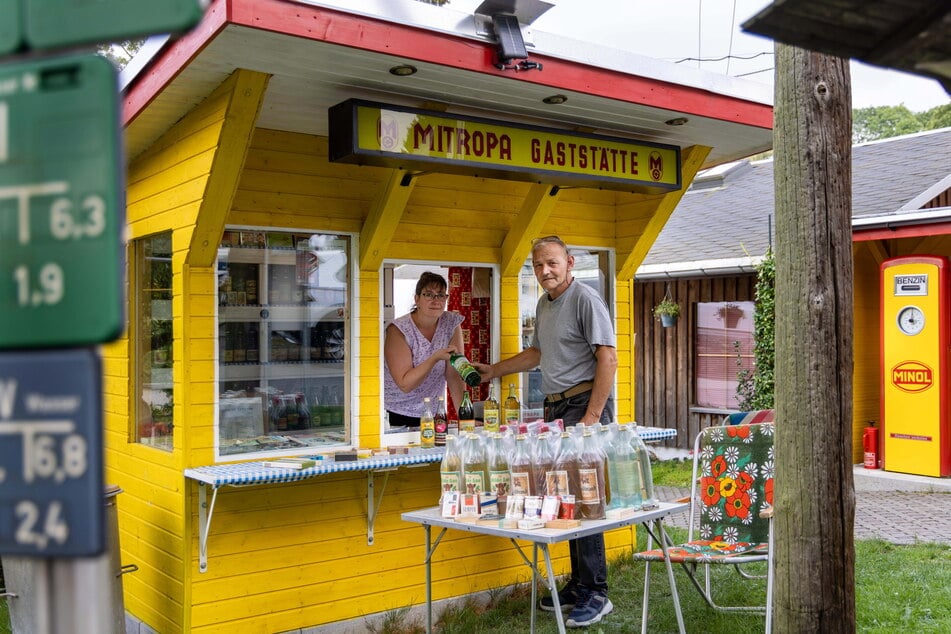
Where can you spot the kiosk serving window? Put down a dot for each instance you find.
(153, 337)
(592, 268)
(283, 336)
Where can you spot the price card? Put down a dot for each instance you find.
(51, 481)
(61, 258)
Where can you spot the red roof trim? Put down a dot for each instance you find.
(172, 60)
(370, 34)
(908, 231)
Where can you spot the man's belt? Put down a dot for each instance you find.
(581, 388)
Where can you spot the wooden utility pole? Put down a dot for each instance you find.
(815, 499)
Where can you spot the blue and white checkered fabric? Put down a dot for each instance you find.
(650, 434)
(239, 473)
(256, 473)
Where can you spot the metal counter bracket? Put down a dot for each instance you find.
(373, 502)
(204, 523)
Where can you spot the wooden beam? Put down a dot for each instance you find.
(691, 160)
(877, 249)
(534, 213)
(384, 217)
(247, 90)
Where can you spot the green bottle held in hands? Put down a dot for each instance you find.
(468, 373)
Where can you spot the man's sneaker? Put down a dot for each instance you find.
(567, 598)
(589, 609)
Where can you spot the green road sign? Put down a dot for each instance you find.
(9, 26)
(61, 258)
(53, 23)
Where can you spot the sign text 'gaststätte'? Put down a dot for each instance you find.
(392, 136)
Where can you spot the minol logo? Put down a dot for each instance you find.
(912, 376)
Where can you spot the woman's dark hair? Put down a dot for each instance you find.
(428, 279)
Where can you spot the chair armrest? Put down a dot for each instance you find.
(767, 513)
(683, 499)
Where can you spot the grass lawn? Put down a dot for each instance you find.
(898, 589)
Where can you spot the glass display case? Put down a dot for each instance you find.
(283, 338)
(152, 316)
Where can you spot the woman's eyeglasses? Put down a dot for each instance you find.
(431, 296)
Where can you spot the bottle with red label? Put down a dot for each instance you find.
(440, 422)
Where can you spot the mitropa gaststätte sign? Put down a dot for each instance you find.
(393, 136)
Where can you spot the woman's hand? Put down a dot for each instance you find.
(443, 354)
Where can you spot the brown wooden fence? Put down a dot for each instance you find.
(664, 358)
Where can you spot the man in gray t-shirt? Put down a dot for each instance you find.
(575, 346)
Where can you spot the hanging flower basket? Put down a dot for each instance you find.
(667, 311)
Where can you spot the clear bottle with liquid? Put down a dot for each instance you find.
(563, 477)
(427, 425)
(625, 470)
(440, 422)
(542, 461)
(590, 497)
(500, 480)
(512, 409)
(648, 498)
(450, 469)
(466, 415)
(474, 468)
(490, 412)
(520, 467)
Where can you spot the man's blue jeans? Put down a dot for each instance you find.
(589, 564)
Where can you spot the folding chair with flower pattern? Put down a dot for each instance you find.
(733, 493)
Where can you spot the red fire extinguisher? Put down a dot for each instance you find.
(870, 443)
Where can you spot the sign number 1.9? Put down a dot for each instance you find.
(48, 288)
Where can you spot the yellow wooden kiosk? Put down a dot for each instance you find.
(261, 272)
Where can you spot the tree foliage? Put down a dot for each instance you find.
(120, 53)
(755, 388)
(882, 122)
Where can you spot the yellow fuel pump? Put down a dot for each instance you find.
(916, 430)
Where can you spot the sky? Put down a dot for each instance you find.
(676, 30)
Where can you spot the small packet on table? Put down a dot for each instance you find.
(550, 505)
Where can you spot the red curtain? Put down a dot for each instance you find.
(475, 328)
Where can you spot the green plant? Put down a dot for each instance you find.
(755, 388)
(666, 307)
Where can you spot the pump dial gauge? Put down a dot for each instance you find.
(911, 320)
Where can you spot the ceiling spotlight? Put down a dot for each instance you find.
(554, 100)
(403, 70)
(676, 121)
